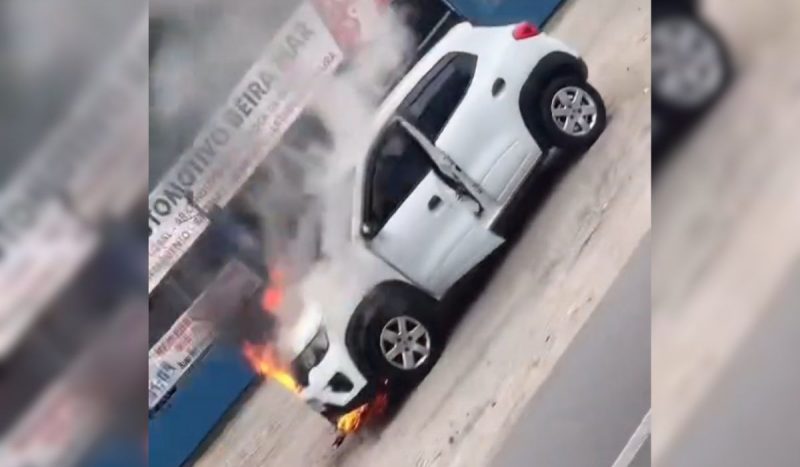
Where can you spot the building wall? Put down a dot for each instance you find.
(507, 11)
(200, 404)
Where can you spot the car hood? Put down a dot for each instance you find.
(299, 334)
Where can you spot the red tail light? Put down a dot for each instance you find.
(525, 30)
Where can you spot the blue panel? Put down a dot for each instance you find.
(200, 402)
(113, 451)
(492, 12)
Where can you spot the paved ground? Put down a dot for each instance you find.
(511, 339)
(727, 236)
(643, 457)
(598, 395)
(749, 416)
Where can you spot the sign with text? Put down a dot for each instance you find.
(236, 140)
(194, 331)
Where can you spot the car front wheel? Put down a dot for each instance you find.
(573, 113)
(404, 338)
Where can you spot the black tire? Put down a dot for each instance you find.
(553, 124)
(393, 304)
(685, 108)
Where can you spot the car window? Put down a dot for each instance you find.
(438, 95)
(397, 165)
(427, 20)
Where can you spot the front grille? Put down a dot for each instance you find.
(340, 383)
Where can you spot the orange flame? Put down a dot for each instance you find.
(263, 359)
(272, 299)
(352, 421)
(273, 295)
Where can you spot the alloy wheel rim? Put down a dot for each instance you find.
(405, 343)
(574, 111)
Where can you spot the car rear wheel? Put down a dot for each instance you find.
(573, 113)
(404, 338)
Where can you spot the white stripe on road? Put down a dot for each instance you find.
(635, 443)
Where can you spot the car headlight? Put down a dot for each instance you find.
(310, 356)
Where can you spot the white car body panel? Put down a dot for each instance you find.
(494, 124)
(434, 248)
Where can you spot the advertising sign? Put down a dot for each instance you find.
(235, 141)
(194, 331)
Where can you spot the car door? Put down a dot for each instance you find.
(416, 218)
(474, 122)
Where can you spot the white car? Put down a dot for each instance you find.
(455, 140)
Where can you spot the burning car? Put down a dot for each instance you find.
(454, 145)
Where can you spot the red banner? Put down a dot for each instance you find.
(351, 22)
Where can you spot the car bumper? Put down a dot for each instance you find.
(335, 385)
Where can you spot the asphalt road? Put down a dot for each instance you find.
(598, 394)
(749, 416)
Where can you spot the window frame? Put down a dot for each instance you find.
(429, 78)
(367, 218)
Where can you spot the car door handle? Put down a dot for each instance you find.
(434, 202)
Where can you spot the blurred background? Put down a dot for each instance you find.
(726, 233)
(73, 113)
